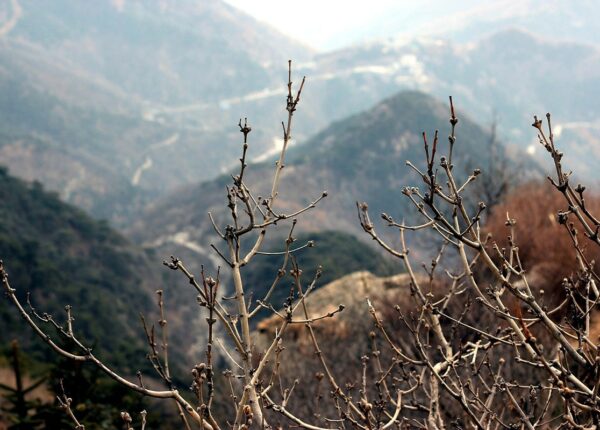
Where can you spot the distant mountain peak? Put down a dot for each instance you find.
(360, 158)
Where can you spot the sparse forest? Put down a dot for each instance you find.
(499, 329)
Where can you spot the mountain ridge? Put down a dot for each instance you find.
(98, 101)
(372, 146)
(80, 83)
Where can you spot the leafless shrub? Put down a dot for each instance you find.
(467, 345)
(545, 248)
(474, 373)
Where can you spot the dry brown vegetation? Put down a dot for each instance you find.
(545, 248)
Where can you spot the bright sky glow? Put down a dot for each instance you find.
(331, 24)
(322, 24)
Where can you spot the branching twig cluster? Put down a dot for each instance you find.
(479, 348)
(552, 379)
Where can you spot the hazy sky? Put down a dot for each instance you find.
(330, 24)
(322, 24)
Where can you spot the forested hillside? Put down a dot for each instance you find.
(62, 257)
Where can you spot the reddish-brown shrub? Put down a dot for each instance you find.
(545, 247)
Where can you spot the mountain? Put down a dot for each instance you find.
(360, 158)
(504, 76)
(116, 103)
(83, 86)
(153, 50)
(469, 20)
(63, 257)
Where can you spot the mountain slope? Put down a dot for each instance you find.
(83, 86)
(115, 103)
(508, 75)
(361, 158)
(63, 257)
(155, 49)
